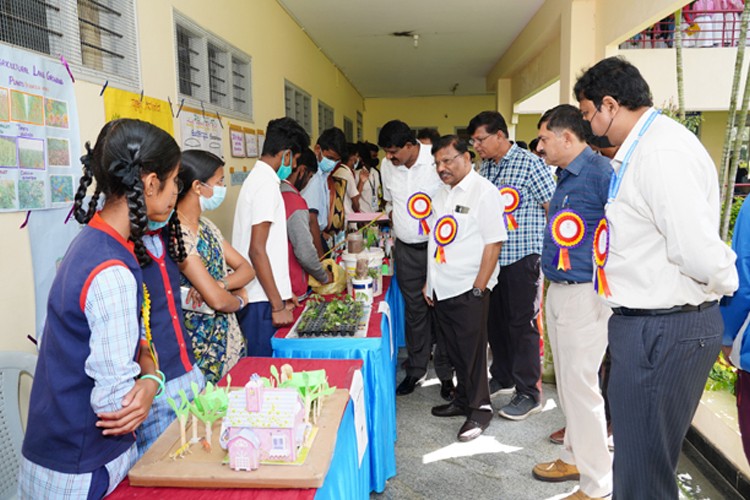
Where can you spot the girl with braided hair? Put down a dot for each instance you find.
(95, 379)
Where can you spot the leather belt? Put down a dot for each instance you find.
(624, 311)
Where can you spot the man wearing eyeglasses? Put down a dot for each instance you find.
(665, 268)
(526, 186)
(462, 267)
(409, 183)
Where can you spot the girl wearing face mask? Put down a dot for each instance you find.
(217, 341)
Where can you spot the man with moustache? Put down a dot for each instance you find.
(665, 268)
(526, 186)
(409, 182)
(462, 268)
(576, 318)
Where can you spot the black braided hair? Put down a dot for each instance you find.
(176, 246)
(125, 151)
(81, 215)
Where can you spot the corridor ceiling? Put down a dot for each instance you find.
(444, 47)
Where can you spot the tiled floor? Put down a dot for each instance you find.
(433, 465)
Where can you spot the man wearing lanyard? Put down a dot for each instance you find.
(661, 267)
(526, 186)
(462, 266)
(576, 318)
(409, 183)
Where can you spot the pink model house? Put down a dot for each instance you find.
(263, 423)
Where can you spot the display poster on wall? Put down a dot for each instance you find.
(251, 143)
(261, 141)
(238, 175)
(201, 130)
(237, 140)
(39, 132)
(123, 104)
(49, 237)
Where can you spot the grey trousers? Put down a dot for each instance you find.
(411, 268)
(659, 368)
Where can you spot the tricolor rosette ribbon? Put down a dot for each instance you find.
(568, 231)
(445, 232)
(601, 254)
(419, 206)
(511, 201)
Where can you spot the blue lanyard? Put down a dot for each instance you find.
(616, 179)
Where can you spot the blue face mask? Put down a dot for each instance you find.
(285, 170)
(215, 200)
(154, 225)
(326, 165)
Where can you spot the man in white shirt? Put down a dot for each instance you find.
(409, 182)
(661, 266)
(462, 268)
(259, 231)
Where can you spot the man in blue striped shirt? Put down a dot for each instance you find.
(526, 186)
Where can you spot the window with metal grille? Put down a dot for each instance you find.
(298, 105)
(97, 37)
(349, 129)
(359, 127)
(325, 116)
(212, 71)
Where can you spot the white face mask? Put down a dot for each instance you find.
(215, 200)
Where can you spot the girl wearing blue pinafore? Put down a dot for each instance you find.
(171, 339)
(87, 398)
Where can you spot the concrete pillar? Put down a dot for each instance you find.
(578, 43)
(505, 103)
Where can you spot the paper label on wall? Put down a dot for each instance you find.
(39, 132)
(199, 130)
(237, 177)
(251, 143)
(237, 140)
(357, 395)
(261, 141)
(123, 104)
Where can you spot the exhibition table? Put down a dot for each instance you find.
(346, 478)
(378, 352)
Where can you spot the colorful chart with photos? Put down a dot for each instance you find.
(39, 138)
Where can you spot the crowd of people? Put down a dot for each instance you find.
(151, 299)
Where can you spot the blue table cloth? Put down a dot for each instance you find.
(379, 380)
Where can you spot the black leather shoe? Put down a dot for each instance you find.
(407, 386)
(471, 430)
(447, 390)
(449, 410)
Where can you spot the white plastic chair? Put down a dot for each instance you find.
(12, 366)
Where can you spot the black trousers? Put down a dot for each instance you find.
(411, 267)
(462, 331)
(512, 326)
(659, 368)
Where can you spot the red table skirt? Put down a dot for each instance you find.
(339, 373)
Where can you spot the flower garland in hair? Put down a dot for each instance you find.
(146, 314)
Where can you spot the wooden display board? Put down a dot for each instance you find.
(201, 469)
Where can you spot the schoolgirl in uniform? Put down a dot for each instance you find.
(95, 380)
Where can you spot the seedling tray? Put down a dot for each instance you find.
(312, 323)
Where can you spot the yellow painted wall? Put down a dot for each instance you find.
(526, 127)
(446, 113)
(279, 49)
(712, 133)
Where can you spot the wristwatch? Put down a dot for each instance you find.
(477, 292)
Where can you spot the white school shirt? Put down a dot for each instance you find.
(260, 201)
(665, 248)
(317, 195)
(368, 199)
(399, 183)
(477, 207)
